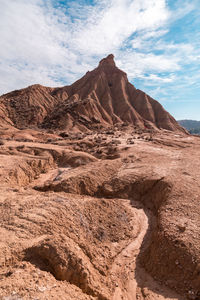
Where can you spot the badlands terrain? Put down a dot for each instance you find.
(99, 194)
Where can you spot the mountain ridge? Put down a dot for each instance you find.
(193, 126)
(103, 96)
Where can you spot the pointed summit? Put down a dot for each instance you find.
(108, 61)
(108, 66)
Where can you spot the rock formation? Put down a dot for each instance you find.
(102, 98)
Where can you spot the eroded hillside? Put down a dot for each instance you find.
(102, 98)
(108, 214)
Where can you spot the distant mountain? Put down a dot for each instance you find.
(191, 125)
(102, 98)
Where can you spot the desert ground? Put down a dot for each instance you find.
(108, 214)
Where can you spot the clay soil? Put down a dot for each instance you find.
(112, 214)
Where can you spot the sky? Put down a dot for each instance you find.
(55, 42)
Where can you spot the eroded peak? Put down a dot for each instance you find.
(109, 60)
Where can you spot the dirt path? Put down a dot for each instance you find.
(131, 281)
(125, 263)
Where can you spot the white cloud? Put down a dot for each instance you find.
(113, 24)
(136, 64)
(158, 79)
(34, 45)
